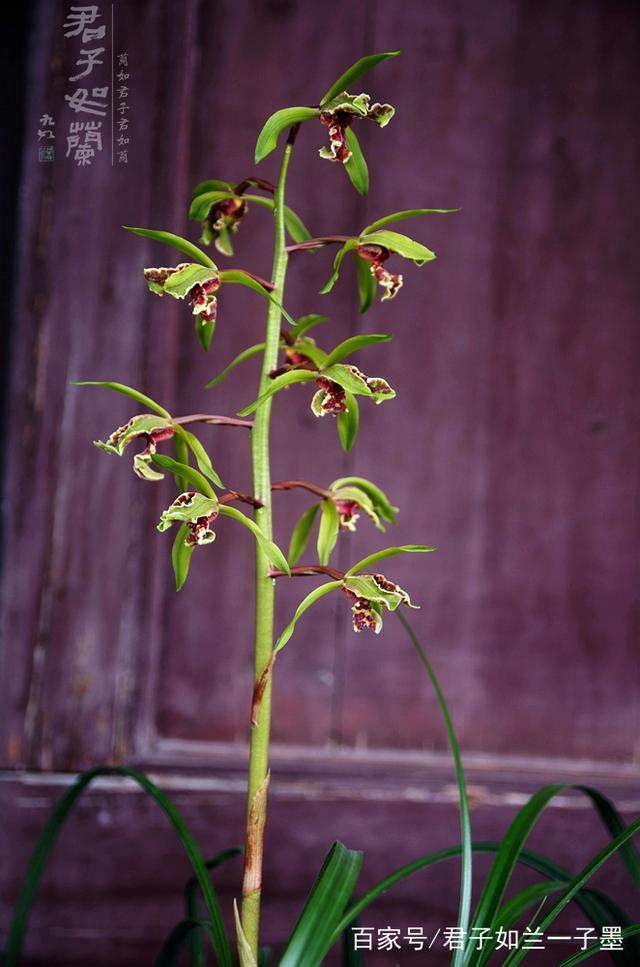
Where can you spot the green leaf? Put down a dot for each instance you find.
(238, 277)
(295, 226)
(273, 126)
(306, 603)
(271, 551)
(592, 949)
(578, 881)
(511, 847)
(188, 473)
(175, 241)
(311, 938)
(280, 382)
(466, 869)
(202, 457)
(407, 247)
(192, 912)
(388, 552)
(328, 530)
(13, 954)
(337, 262)
(356, 165)
(349, 346)
(181, 556)
(204, 332)
(300, 535)
(245, 954)
(348, 421)
(240, 358)
(126, 391)
(613, 823)
(406, 213)
(182, 456)
(381, 502)
(366, 284)
(354, 72)
(305, 323)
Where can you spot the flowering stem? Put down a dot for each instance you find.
(265, 585)
(304, 484)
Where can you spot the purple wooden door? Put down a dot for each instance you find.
(512, 446)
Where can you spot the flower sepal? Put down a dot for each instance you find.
(372, 593)
(195, 511)
(152, 429)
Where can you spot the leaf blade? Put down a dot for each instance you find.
(328, 530)
(275, 125)
(354, 343)
(356, 165)
(240, 358)
(279, 383)
(50, 834)
(348, 421)
(311, 937)
(175, 241)
(407, 247)
(271, 550)
(190, 474)
(304, 605)
(356, 70)
(300, 534)
(405, 213)
(126, 391)
(389, 552)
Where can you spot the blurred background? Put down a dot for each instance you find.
(512, 446)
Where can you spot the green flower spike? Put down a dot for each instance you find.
(152, 429)
(372, 593)
(339, 113)
(197, 512)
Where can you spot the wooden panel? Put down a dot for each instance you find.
(507, 447)
(511, 447)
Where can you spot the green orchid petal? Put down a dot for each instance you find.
(144, 425)
(196, 511)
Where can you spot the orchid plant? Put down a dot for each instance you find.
(290, 355)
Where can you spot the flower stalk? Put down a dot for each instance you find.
(265, 585)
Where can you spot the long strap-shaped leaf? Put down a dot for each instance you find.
(314, 933)
(596, 906)
(515, 838)
(191, 905)
(595, 948)
(576, 884)
(47, 839)
(464, 910)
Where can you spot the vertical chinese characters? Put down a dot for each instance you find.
(123, 107)
(85, 137)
